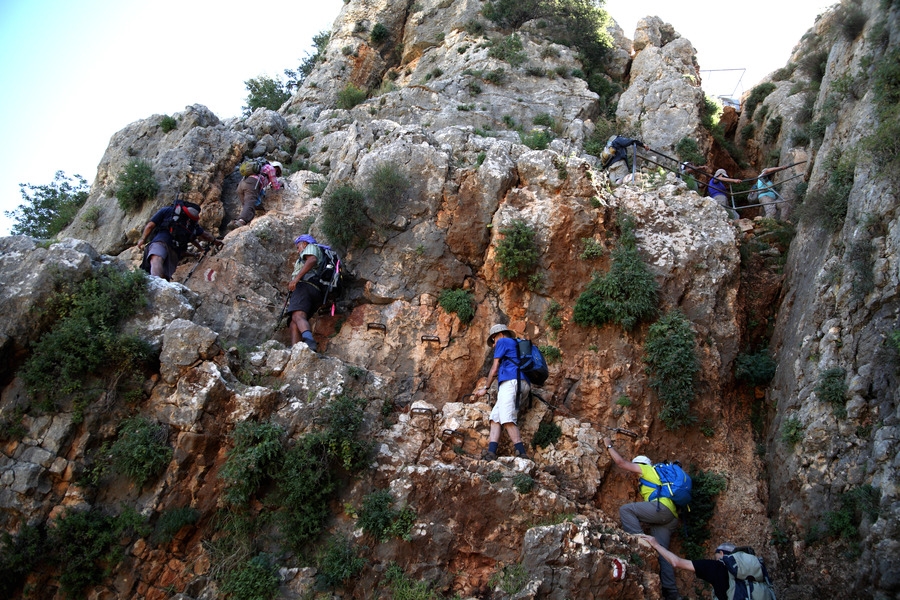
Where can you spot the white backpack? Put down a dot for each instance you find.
(747, 577)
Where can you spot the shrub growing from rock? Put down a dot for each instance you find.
(86, 341)
(350, 96)
(378, 518)
(256, 455)
(344, 216)
(707, 485)
(792, 431)
(673, 365)
(136, 185)
(458, 301)
(626, 294)
(256, 578)
(517, 251)
(757, 95)
(379, 34)
(755, 368)
(140, 452)
(171, 521)
(167, 124)
(546, 435)
(338, 561)
(386, 187)
(832, 389)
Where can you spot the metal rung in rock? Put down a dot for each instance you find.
(380, 326)
(430, 338)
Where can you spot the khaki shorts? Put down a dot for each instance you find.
(504, 410)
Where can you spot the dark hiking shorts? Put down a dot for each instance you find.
(306, 298)
(169, 256)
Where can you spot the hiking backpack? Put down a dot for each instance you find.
(181, 228)
(329, 276)
(608, 151)
(252, 166)
(674, 484)
(532, 363)
(747, 576)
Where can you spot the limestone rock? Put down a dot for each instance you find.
(185, 343)
(663, 99)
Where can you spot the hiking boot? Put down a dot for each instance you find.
(236, 223)
(488, 455)
(522, 455)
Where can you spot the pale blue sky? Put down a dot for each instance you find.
(73, 73)
(758, 36)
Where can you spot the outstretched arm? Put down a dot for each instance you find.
(674, 559)
(617, 458)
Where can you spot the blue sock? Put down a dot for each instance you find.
(520, 448)
(492, 447)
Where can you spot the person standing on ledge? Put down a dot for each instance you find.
(506, 369)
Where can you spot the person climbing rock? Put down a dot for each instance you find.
(661, 515)
(173, 228)
(505, 369)
(716, 190)
(252, 188)
(731, 568)
(614, 157)
(766, 194)
(305, 296)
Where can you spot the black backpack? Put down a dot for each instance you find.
(180, 226)
(329, 275)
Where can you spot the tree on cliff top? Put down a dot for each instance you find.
(49, 208)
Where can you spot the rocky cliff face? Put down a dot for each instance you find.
(451, 117)
(838, 309)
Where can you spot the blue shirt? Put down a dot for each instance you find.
(764, 185)
(716, 188)
(505, 350)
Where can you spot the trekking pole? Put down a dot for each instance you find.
(634, 158)
(283, 308)
(196, 264)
